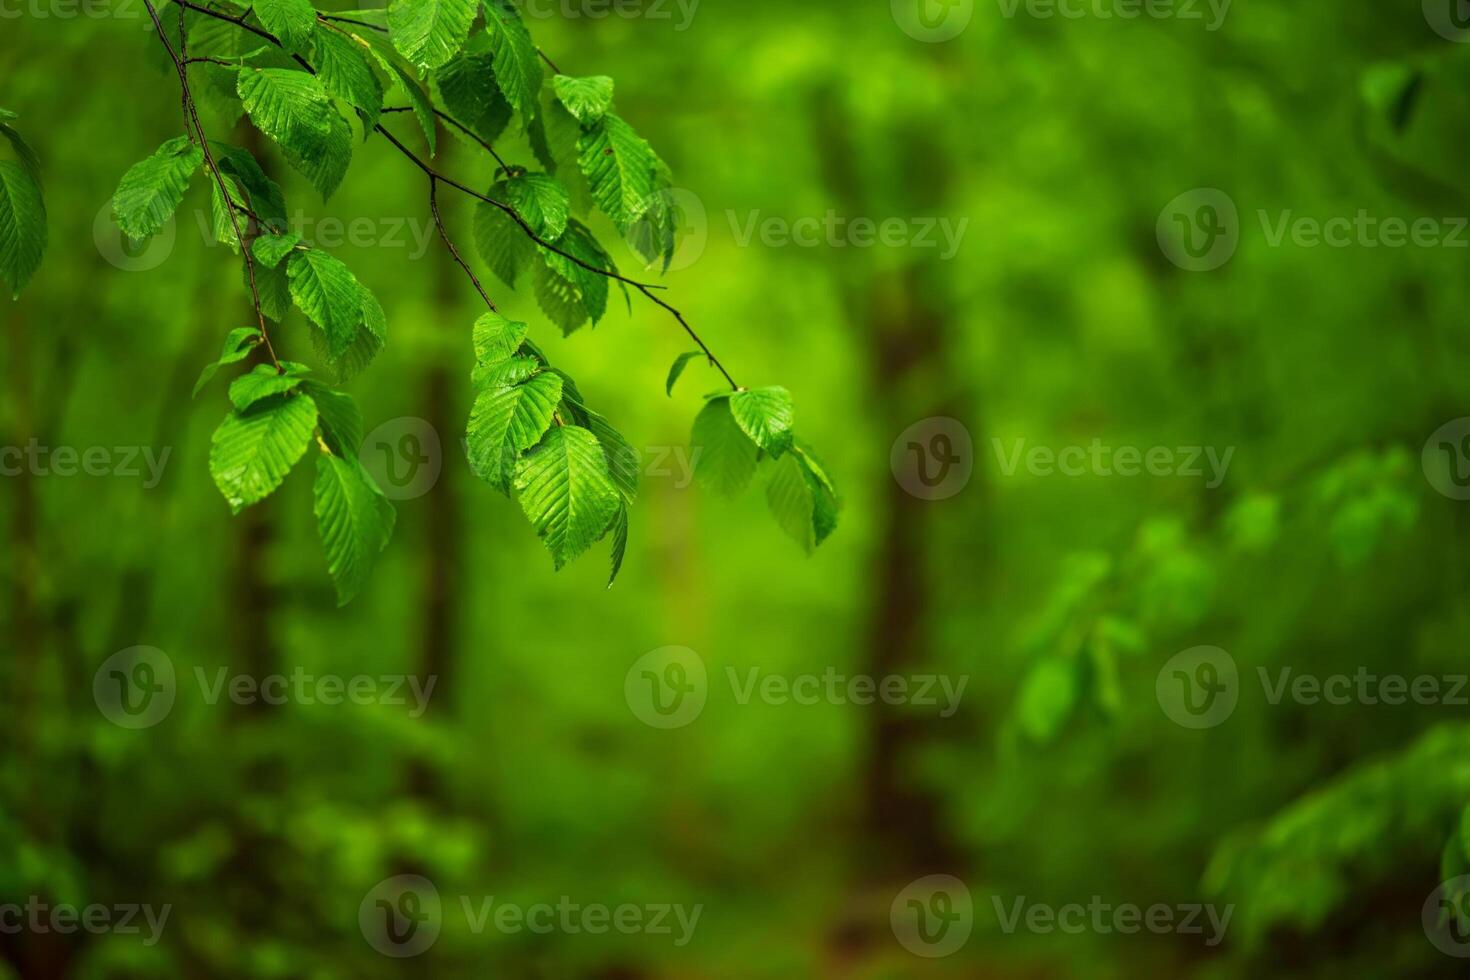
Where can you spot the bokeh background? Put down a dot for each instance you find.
(1332, 545)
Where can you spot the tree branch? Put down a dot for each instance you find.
(191, 113)
(435, 178)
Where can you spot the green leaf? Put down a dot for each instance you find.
(252, 452)
(620, 544)
(517, 65)
(22, 225)
(571, 294)
(152, 189)
(292, 21)
(328, 293)
(724, 456)
(680, 362)
(511, 372)
(338, 416)
(801, 501)
(502, 243)
(497, 338)
(430, 32)
(266, 198)
(623, 461)
(293, 108)
(269, 250)
(224, 221)
(23, 151)
(238, 345)
(566, 491)
(289, 106)
(355, 521)
(265, 382)
(506, 421)
(342, 65)
(541, 201)
(324, 162)
(368, 343)
(587, 99)
(766, 415)
(1047, 698)
(419, 101)
(468, 91)
(618, 165)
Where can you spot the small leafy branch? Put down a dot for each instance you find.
(473, 67)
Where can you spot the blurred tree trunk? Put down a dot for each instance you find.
(442, 552)
(901, 313)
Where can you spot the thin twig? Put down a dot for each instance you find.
(191, 112)
(444, 234)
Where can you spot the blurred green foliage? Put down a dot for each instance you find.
(1059, 320)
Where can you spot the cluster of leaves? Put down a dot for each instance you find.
(299, 75)
(1301, 866)
(22, 209)
(1105, 609)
